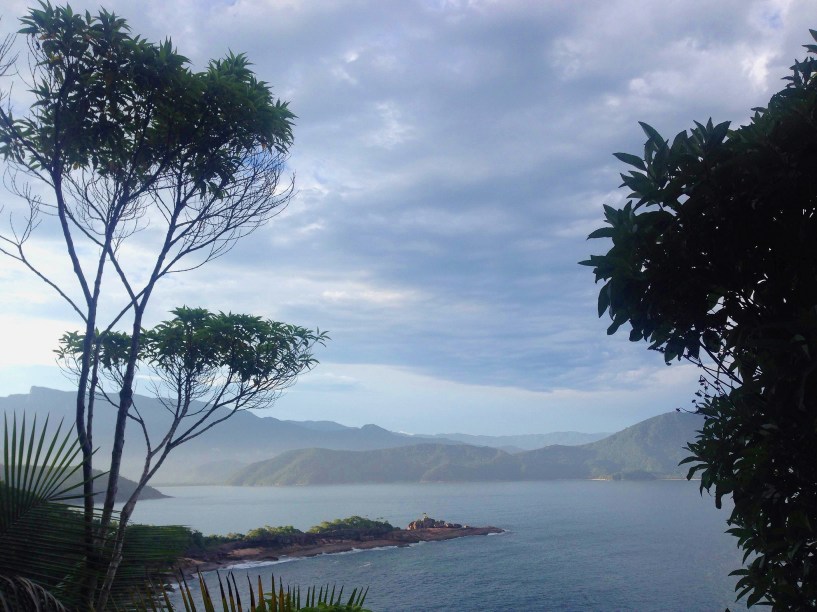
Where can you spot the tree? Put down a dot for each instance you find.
(714, 260)
(205, 367)
(124, 139)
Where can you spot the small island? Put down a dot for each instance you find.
(269, 544)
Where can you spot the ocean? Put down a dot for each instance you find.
(570, 545)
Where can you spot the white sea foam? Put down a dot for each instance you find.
(356, 550)
(254, 564)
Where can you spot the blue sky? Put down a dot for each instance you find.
(450, 158)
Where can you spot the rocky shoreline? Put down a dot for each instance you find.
(237, 553)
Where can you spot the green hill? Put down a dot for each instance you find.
(650, 449)
(655, 446)
(420, 463)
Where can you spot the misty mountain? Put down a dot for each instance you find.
(650, 449)
(243, 439)
(655, 446)
(320, 425)
(523, 442)
(125, 488)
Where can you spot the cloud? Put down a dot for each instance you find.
(451, 158)
(402, 400)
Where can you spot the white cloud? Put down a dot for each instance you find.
(359, 293)
(28, 341)
(451, 158)
(392, 130)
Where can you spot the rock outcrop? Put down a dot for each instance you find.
(429, 523)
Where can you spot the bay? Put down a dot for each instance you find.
(570, 545)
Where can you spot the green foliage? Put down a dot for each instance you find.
(43, 537)
(18, 593)
(352, 523)
(199, 541)
(197, 348)
(317, 599)
(268, 532)
(250, 349)
(205, 367)
(713, 260)
(150, 551)
(282, 599)
(122, 107)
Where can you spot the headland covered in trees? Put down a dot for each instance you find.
(271, 544)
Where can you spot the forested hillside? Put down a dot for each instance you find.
(650, 449)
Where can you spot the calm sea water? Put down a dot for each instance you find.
(571, 545)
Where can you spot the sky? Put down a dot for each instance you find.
(450, 158)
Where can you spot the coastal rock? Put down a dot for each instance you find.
(429, 523)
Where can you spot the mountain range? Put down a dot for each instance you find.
(647, 450)
(521, 442)
(251, 450)
(210, 458)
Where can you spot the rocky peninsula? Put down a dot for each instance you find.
(240, 551)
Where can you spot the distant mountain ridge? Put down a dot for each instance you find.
(522, 442)
(650, 449)
(240, 440)
(243, 439)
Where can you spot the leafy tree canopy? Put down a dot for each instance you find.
(124, 107)
(352, 523)
(220, 360)
(714, 260)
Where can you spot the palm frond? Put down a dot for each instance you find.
(18, 593)
(43, 538)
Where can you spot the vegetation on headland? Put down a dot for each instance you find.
(352, 526)
(352, 523)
